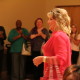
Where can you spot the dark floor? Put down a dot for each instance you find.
(7, 68)
(4, 76)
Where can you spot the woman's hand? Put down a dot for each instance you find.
(38, 60)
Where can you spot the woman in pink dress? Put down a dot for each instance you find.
(57, 48)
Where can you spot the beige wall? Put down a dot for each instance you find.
(25, 10)
(28, 11)
(50, 4)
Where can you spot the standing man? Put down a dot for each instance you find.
(17, 37)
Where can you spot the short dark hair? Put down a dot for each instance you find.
(19, 21)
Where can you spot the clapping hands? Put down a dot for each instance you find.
(40, 31)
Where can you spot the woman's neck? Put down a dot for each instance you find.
(40, 27)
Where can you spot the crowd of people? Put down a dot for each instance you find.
(60, 49)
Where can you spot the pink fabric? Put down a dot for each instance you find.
(59, 46)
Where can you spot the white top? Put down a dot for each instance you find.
(73, 46)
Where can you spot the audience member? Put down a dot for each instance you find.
(17, 37)
(72, 73)
(75, 44)
(38, 35)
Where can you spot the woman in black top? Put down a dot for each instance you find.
(38, 36)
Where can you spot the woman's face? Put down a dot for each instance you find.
(52, 24)
(74, 29)
(39, 23)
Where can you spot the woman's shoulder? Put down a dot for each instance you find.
(60, 34)
(78, 36)
(34, 29)
(44, 28)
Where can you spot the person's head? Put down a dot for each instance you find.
(59, 20)
(18, 24)
(73, 29)
(72, 73)
(38, 22)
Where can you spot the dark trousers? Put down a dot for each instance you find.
(18, 61)
(74, 58)
(37, 71)
(1, 59)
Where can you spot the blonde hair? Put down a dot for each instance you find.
(62, 19)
